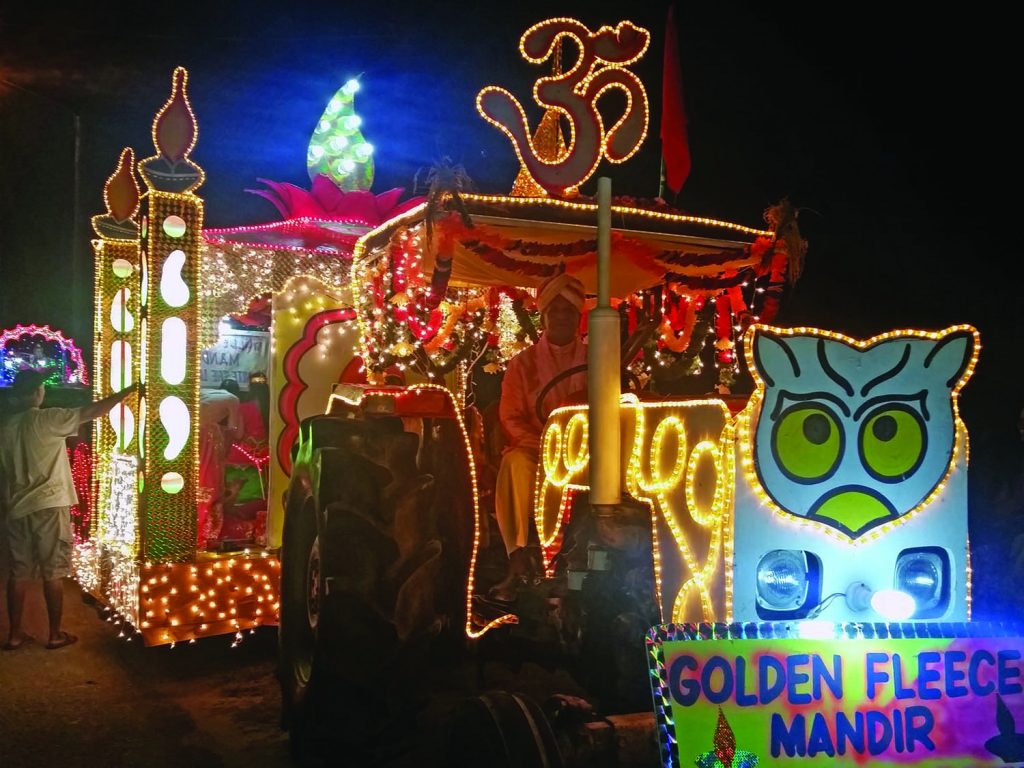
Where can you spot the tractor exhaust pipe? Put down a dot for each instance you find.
(603, 377)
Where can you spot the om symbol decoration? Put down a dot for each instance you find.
(603, 56)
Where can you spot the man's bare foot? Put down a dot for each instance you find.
(15, 641)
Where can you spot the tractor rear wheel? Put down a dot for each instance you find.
(501, 730)
(302, 585)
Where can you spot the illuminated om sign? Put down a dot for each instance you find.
(603, 56)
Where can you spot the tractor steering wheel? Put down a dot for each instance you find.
(630, 348)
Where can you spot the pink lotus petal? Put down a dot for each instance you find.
(326, 201)
(357, 205)
(388, 200)
(291, 200)
(326, 193)
(273, 198)
(275, 195)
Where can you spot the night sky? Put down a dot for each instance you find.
(891, 132)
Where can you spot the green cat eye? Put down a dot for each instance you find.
(892, 442)
(807, 443)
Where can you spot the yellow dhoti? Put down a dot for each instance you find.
(513, 498)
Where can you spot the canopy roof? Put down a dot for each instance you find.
(520, 241)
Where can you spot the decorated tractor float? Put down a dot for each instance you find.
(801, 553)
(787, 572)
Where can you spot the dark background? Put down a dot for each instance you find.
(891, 129)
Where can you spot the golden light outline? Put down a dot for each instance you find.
(654, 490)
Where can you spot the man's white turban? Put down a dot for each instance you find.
(566, 286)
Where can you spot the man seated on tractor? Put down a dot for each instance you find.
(560, 300)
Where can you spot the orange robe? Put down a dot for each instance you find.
(527, 374)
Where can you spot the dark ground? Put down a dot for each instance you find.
(106, 702)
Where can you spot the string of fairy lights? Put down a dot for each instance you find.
(676, 497)
(406, 324)
(412, 321)
(140, 556)
(235, 273)
(65, 367)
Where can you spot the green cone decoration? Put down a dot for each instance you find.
(337, 149)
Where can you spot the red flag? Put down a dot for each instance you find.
(675, 147)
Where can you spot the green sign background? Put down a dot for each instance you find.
(961, 725)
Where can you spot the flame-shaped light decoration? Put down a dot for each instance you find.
(337, 149)
(121, 198)
(121, 192)
(174, 129)
(725, 740)
(724, 753)
(175, 134)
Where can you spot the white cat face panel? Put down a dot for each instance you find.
(855, 434)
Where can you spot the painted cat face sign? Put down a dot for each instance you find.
(855, 434)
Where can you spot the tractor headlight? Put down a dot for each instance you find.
(924, 575)
(782, 580)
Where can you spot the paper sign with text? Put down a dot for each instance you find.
(237, 355)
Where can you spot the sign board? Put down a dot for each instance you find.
(237, 355)
(949, 694)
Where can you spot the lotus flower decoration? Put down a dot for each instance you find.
(326, 201)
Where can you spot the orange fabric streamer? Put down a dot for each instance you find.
(668, 337)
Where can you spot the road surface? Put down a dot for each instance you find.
(105, 702)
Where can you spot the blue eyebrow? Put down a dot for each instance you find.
(888, 374)
(920, 397)
(808, 396)
(831, 372)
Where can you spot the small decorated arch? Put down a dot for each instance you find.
(60, 357)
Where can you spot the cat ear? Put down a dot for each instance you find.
(772, 357)
(952, 355)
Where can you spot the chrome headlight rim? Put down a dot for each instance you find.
(770, 561)
(935, 602)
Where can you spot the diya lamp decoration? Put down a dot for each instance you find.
(121, 197)
(174, 136)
